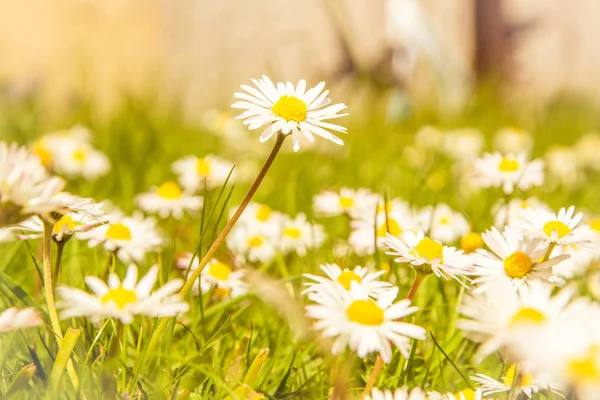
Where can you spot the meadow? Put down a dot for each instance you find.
(262, 342)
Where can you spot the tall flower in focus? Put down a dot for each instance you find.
(289, 109)
(508, 172)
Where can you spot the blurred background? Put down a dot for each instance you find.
(197, 52)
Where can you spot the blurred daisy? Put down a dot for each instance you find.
(398, 394)
(261, 218)
(526, 385)
(513, 140)
(48, 147)
(510, 214)
(130, 237)
(355, 203)
(168, 200)
(288, 109)
(194, 171)
(464, 394)
(471, 242)
(74, 159)
(299, 235)
(514, 259)
(562, 228)
(428, 255)
(65, 227)
(13, 319)
(443, 223)
(509, 172)
(364, 325)
(463, 144)
(122, 300)
(216, 275)
(251, 245)
(342, 279)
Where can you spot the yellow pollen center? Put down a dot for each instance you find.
(221, 292)
(508, 165)
(255, 241)
(79, 155)
(219, 271)
(585, 369)
(264, 213)
(471, 242)
(430, 249)
(346, 202)
(558, 227)
(203, 167)
(346, 278)
(292, 232)
(290, 108)
(169, 190)
(518, 265)
(527, 316)
(466, 394)
(43, 154)
(118, 232)
(365, 312)
(65, 224)
(391, 226)
(595, 224)
(120, 296)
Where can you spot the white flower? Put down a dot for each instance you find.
(260, 218)
(527, 383)
(251, 244)
(587, 151)
(511, 214)
(398, 394)
(122, 300)
(299, 235)
(465, 394)
(463, 144)
(356, 203)
(288, 109)
(423, 252)
(49, 146)
(131, 237)
(514, 259)
(563, 165)
(508, 172)
(194, 171)
(367, 281)
(169, 200)
(513, 140)
(562, 228)
(364, 325)
(66, 226)
(216, 275)
(74, 159)
(13, 319)
(444, 224)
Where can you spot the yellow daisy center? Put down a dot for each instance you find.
(263, 213)
(518, 265)
(365, 312)
(346, 278)
(560, 228)
(595, 224)
(290, 108)
(169, 190)
(203, 167)
(219, 271)
(65, 223)
(528, 316)
(292, 232)
(392, 227)
(430, 249)
(221, 292)
(471, 242)
(387, 207)
(120, 296)
(346, 202)
(255, 241)
(467, 394)
(586, 368)
(79, 155)
(43, 154)
(508, 165)
(118, 232)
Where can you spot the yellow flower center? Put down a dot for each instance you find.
(387, 209)
(346, 278)
(290, 108)
(430, 249)
(392, 227)
(444, 220)
(43, 154)
(120, 296)
(255, 241)
(65, 224)
(79, 155)
(118, 232)
(518, 265)
(595, 224)
(292, 232)
(527, 316)
(221, 292)
(169, 190)
(466, 394)
(586, 368)
(558, 227)
(346, 202)
(471, 242)
(263, 213)
(203, 167)
(219, 271)
(365, 312)
(508, 165)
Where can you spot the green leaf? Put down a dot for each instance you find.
(62, 358)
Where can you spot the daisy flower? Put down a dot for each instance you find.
(398, 394)
(74, 159)
(509, 172)
(14, 319)
(288, 109)
(443, 223)
(513, 140)
(355, 203)
(130, 237)
(464, 394)
(299, 235)
(510, 214)
(463, 144)
(169, 200)
(48, 147)
(251, 244)
(364, 325)
(563, 228)
(428, 255)
(261, 218)
(343, 278)
(216, 275)
(514, 259)
(527, 383)
(122, 300)
(471, 242)
(193, 171)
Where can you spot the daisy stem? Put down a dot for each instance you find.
(49, 294)
(549, 252)
(419, 278)
(221, 238)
